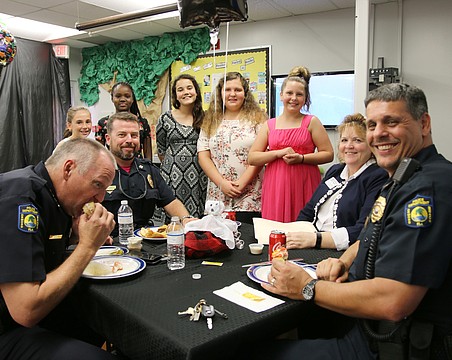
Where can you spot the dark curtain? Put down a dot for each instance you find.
(34, 98)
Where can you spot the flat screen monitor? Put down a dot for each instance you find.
(332, 96)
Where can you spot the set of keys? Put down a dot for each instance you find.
(202, 308)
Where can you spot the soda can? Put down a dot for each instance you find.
(230, 215)
(276, 240)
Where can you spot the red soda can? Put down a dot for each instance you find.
(277, 239)
(230, 215)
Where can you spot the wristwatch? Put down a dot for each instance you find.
(308, 291)
(186, 217)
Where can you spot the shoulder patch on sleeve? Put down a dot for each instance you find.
(28, 218)
(419, 212)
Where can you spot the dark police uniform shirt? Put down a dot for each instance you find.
(34, 228)
(144, 188)
(415, 245)
(355, 202)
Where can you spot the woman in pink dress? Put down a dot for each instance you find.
(288, 144)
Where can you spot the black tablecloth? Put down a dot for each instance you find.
(139, 314)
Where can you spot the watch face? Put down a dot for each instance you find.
(308, 290)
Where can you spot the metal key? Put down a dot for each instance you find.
(196, 313)
(208, 312)
(190, 311)
(223, 315)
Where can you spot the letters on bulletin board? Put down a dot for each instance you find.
(207, 69)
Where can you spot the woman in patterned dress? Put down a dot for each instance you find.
(230, 126)
(177, 137)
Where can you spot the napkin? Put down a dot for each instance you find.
(248, 297)
(222, 228)
(263, 228)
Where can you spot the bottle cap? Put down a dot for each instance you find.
(123, 202)
(196, 276)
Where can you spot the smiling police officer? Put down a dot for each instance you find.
(397, 279)
(136, 180)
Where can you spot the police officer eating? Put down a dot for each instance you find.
(137, 180)
(41, 205)
(395, 283)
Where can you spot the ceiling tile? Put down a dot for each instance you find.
(82, 11)
(16, 9)
(264, 9)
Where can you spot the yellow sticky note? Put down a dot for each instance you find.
(212, 263)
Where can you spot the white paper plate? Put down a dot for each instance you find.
(111, 250)
(130, 266)
(153, 228)
(259, 273)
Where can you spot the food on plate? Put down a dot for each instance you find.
(116, 267)
(280, 253)
(160, 232)
(95, 268)
(162, 229)
(110, 250)
(89, 208)
(116, 251)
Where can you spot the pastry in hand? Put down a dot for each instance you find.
(89, 208)
(280, 253)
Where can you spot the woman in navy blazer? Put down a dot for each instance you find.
(340, 205)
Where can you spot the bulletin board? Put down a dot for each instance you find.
(207, 69)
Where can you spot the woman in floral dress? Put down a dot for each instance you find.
(230, 126)
(177, 137)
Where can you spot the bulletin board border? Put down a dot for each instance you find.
(211, 54)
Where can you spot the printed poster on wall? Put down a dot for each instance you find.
(208, 69)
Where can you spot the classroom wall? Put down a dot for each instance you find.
(413, 35)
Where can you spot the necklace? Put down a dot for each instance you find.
(124, 193)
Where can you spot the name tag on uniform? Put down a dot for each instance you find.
(331, 183)
(56, 237)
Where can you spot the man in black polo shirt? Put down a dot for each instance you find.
(136, 180)
(39, 205)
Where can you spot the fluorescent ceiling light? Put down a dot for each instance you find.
(36, 30)
(129, 17)
(133, 22)
(122, 6)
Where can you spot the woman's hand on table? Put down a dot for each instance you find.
(300, 240)
(332, 269)
(287, 279)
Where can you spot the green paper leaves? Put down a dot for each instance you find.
(139, 62)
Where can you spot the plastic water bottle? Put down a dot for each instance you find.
(175, 244)
(125, 222)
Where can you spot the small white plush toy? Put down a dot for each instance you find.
(213, 207)
(215, 223)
